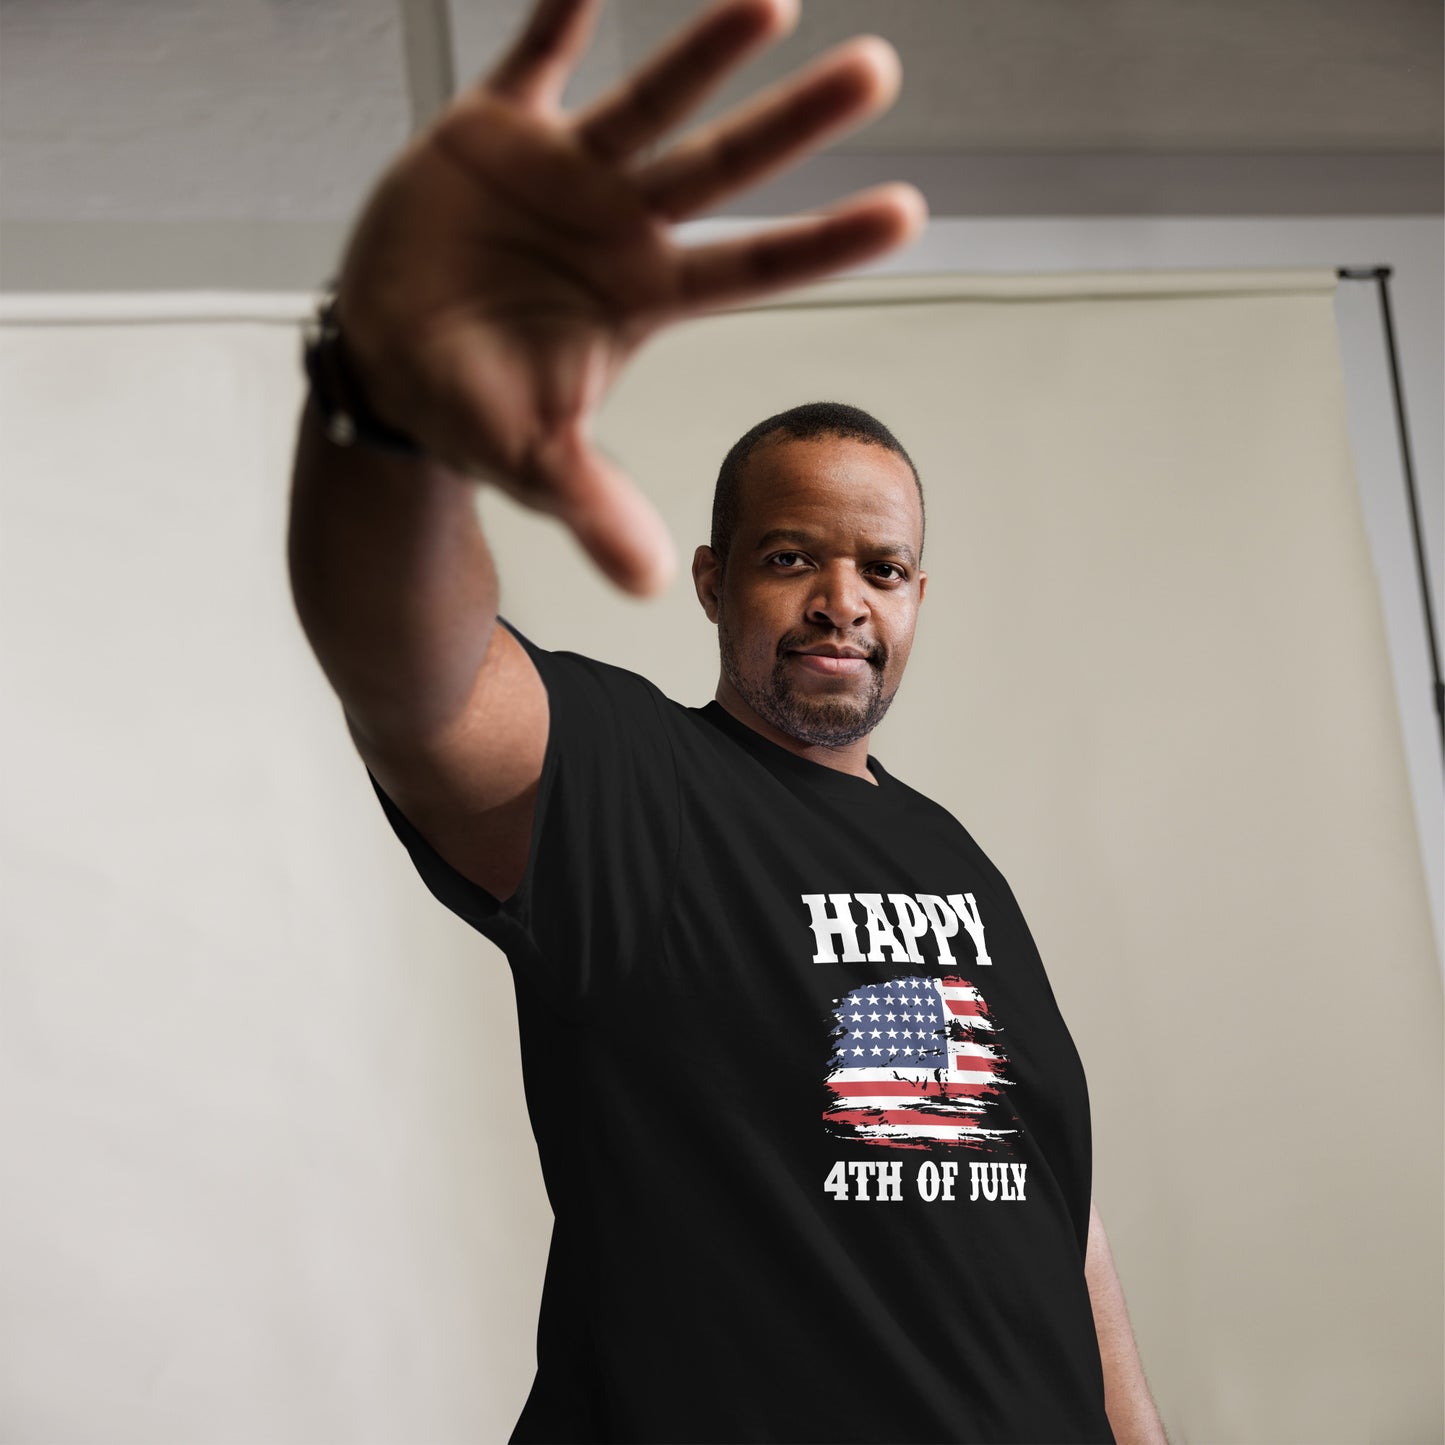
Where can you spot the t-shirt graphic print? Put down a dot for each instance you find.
(814, 1132)
(917, 1061)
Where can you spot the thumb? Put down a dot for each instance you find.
(617, 526)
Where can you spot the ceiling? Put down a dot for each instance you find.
(137, 114)
(1081, 75)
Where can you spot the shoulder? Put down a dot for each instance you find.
(935, 816)
(569, 672)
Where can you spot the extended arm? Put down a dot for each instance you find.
(507, 264)
(1130, 1407)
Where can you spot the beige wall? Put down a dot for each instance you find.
(271, 1175)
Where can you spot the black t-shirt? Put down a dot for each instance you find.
(814, 1132)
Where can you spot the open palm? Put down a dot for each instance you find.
(513, 257)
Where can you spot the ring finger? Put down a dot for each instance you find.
(680, 75)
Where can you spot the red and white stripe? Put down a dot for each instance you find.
(892, 1102)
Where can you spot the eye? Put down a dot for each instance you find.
(899, 575)
(780, 556)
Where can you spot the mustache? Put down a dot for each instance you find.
(874, 652)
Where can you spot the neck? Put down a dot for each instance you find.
(848, 758)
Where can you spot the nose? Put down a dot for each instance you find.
(840, 599)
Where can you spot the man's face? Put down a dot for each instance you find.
(824, 561)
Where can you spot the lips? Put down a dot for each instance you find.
(830, 662)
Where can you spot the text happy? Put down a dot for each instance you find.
(879, 928)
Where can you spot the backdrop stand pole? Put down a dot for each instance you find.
(1381, 276)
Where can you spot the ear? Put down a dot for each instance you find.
(707, 579)
(922, 584)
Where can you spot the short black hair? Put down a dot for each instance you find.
(798, 423)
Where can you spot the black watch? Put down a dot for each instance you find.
(345, 414)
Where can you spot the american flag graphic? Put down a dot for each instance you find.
(916, 1062)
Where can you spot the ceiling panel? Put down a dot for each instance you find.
(276, 113)
(131, 110)
(1079, 75)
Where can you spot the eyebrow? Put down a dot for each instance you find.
(901, 550)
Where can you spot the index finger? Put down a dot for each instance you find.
(848, 233)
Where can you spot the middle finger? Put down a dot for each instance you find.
(845, 87)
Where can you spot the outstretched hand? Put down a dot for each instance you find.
(512, 258)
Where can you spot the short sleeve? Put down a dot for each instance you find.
(605, 831)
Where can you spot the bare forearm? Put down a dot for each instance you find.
(1131, 1410)
(392, 579)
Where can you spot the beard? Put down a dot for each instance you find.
(830, 722)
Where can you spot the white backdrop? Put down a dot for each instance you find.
(267, 1170)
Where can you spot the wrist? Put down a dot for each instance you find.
(337, 391)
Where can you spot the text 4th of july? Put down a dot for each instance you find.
(876, 1180)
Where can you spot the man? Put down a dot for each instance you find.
(815, 1135)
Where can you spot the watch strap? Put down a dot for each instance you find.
(340, 400)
